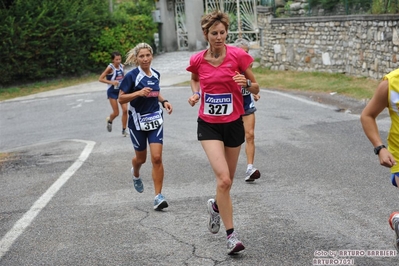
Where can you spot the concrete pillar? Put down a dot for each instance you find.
(265, 16)
(167, 28)
(194, 10)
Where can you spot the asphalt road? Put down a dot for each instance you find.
(66, 194)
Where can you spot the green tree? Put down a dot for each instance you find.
(49, 39)
(131, 24)
(351, 6)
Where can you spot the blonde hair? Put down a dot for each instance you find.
(214, 18)
(131, 56)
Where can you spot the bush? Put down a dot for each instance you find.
(48, 39)
(385, 6)
(132, 24)
(351, 6)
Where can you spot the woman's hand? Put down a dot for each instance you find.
(193, 99)
(145, 91)
(240, 79)
(386, 158)
(168, 107)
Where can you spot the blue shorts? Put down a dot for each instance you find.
(393, 179)
(113, 93)
(250, 111)
(139, 138)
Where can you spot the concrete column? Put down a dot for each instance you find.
(194, 10)
(167, 28)
(265, 16)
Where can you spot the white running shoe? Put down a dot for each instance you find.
(109, 125)
(234, 245)
(214, 218)
(252, 174)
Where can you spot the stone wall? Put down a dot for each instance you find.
(358, 45)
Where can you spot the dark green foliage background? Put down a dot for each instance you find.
(355, 6)
(131, 24)
(50, 39)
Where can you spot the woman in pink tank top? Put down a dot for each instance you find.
(216, 82)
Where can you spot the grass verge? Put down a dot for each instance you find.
(28, 89)
(354, 87)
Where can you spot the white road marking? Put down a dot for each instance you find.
(299, 99)
(80, 101)
(20, 226)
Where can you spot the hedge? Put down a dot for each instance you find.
(48, 39)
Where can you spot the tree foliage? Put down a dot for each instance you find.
(385, 6)
(48, 39)
(132, 24)
(355, 6)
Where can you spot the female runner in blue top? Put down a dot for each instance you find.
(140, 88)
(248, 118)
(113, 75)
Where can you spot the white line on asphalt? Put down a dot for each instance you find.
(299, 99)
(307, 101)
(20, 226)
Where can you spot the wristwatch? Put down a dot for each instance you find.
(249, 83)
(377, 149)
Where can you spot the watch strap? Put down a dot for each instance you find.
(249, 83)
(378, 149)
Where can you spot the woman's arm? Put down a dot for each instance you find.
(165, 103)
(369, 114)
(196, 89)
(128, 97)
(103, 78)
(254, 88)
(247, 81)
(368, 119)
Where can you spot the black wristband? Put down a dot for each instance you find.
(163, 103)
(378, 149)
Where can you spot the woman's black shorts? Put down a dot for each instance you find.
(232, 134)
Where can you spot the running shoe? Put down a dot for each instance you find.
(124, 133)
(137, 182)
(394, 223)
(109, 125)
(214, 218)
(252, 174)
(160, 202)
(234, 245)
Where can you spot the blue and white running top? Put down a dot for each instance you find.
(117, 74)
(145, 113)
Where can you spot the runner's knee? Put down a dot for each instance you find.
(224, 184)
